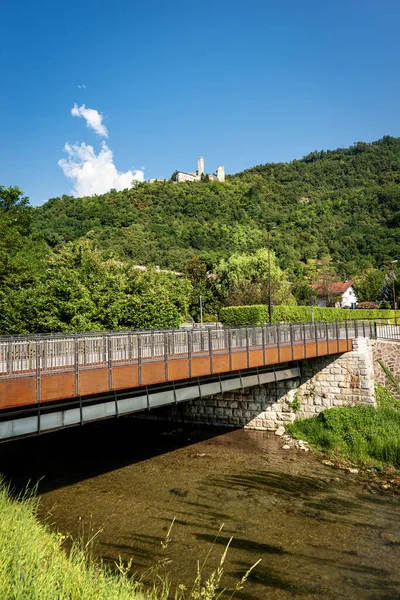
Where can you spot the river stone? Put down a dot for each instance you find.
(286, 447)
(390, 537)
(280, 431)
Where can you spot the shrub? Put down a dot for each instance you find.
(363, 305)
(258, 314)
(210, 318)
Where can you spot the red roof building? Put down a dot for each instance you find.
(340, 294)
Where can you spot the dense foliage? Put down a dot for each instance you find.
(81, 290)
(343, 204)
(70, 264)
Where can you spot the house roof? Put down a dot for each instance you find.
(335, 287)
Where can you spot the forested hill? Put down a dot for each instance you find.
(343, 204)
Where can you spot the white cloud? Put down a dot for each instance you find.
(82, 87)
(95, 173)
(93, 119)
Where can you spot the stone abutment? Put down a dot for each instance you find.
(325, 382)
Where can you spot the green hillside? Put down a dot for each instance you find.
(343, 203)
(69, 265)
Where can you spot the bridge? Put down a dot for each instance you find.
(48, 382)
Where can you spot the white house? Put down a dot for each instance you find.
(342, 292)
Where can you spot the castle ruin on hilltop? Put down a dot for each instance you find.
(196, 175)
(180, 176)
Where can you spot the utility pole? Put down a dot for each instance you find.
(394, 292)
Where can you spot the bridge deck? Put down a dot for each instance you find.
(35, 370)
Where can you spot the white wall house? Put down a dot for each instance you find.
(343, 291)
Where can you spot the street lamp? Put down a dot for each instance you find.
(394, 293)
(270, 228)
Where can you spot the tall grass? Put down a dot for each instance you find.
(35, 566)
(359, 433)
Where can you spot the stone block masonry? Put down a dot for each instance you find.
(389, 354)
(335, 380)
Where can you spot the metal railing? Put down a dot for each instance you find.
(388, 331)
(30, 354)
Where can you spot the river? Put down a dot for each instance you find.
(318, 532)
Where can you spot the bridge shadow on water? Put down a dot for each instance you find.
(65, 457)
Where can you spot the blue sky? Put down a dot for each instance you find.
(239, 82)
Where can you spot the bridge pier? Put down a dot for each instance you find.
(324, 382)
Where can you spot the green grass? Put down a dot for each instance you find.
(34, 565)
(358, 433)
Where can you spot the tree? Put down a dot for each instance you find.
(14, 210)
(21, 255)
(85, 290)
(326, 280)
(244, 279)
(370, 285)
(203, 284)
(302, 291)
(22, 259)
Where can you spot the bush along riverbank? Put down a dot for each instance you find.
(34, 564)
(361, 439)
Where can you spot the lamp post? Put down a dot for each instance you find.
(269, 274)
(394, 292)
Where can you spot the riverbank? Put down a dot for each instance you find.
(35, 566)
(360, 439)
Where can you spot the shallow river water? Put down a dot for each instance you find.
(318, 533)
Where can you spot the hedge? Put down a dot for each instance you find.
(258, 313)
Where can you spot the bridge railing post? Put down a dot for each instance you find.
(304, 340)
(210, 349)
(190, 350)
(129, 346)
(9, 357)
(230, 348)
(291, 339)
(248, 347)
(38, 382)
(316, 339)
(355, 328)
(76, 364)
(165, 341)
(139, 348)
(347, 334)
(37, 351)
(263, 343)
(109, 361)
(278, 341)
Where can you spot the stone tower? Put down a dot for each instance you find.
(221, 174)
(200, 167)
